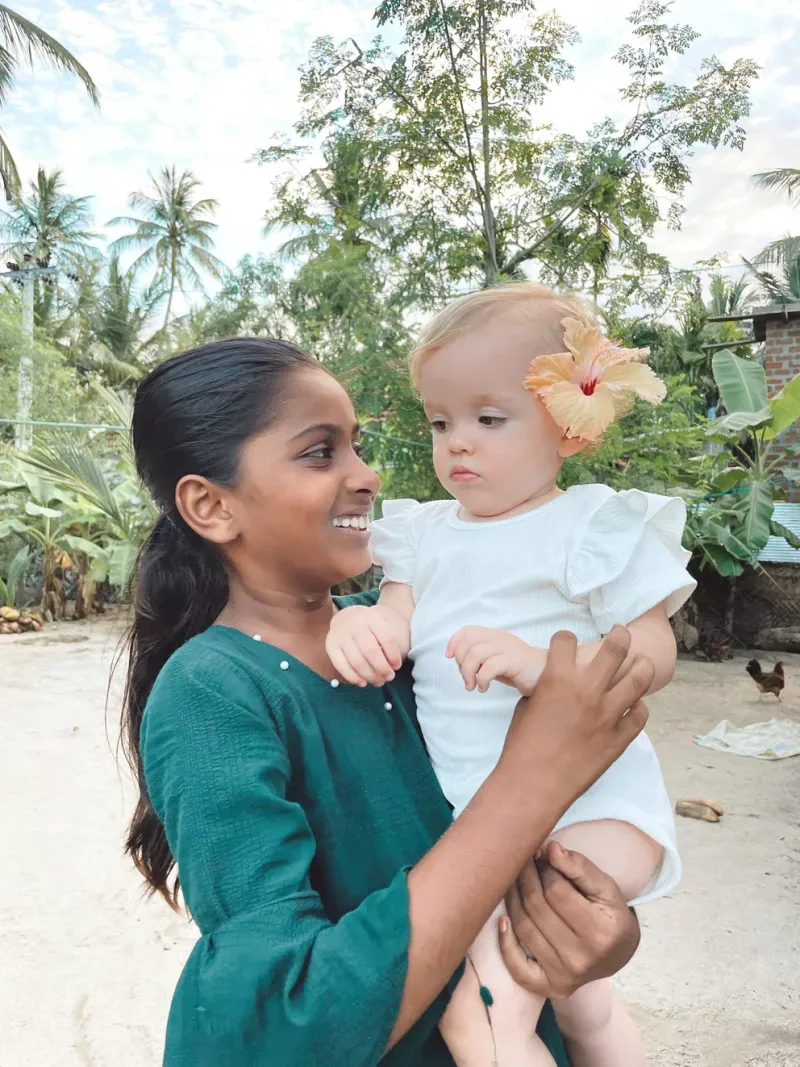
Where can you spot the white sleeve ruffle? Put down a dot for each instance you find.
(392, 540)
(627, 556)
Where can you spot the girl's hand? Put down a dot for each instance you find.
(484, 655)
(578, 721)
(367, 645)
(569, 925)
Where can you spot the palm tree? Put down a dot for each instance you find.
(118, 319)
(50, 225)
(22, 41)
(175, 233)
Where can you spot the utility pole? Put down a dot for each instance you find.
(25, 277)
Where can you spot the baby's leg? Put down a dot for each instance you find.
(598, 1030)
(502, 1034)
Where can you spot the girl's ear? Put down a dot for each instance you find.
(571, 446)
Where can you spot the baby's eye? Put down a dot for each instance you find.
(438, 425)
(491, 420)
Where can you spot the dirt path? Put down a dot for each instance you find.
(88, 966)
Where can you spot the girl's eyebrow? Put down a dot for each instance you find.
(329, 428)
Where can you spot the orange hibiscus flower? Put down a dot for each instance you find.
(594, 383)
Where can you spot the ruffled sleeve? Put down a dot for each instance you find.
(626, 557)
(392, 540)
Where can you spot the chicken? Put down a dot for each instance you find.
(767, 683)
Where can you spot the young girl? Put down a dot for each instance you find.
(513, 380)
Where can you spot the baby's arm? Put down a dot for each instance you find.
(367, 645)
(484, 656)
(651, 636)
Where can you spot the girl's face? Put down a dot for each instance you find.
(303, 496)
(495, 448)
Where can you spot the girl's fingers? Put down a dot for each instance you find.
(632, 724)
(525, 971)
(630, 689)
(603, 669)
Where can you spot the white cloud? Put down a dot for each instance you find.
(205, 83)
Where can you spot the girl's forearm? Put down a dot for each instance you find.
(456, 886)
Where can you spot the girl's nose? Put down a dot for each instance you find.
(363, 478)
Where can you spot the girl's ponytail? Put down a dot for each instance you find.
(191, 415)
(181, 587)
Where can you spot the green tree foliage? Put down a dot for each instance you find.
(474, 186)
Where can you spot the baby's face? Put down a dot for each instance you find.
(495, 448)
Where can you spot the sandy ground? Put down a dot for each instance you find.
(88, 966)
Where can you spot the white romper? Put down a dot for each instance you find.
(583, 562)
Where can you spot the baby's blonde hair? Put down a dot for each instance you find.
(545, 305)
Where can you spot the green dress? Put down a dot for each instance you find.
(294, 810)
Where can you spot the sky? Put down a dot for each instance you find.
(204, 84)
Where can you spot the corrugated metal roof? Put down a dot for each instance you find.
(776, 549)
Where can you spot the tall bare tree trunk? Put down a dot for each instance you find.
(492, 269)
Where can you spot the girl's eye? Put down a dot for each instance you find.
(491, 420)
(358, 448)
(438, 425)
(322, 452)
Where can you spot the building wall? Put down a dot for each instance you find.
(782, 363)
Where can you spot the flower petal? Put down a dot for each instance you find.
(609, 354)
(577, 414)
(636, 378)
(582, 340)
(547, 370)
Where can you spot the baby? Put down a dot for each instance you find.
(515, 379)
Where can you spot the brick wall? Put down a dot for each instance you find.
(782, 363)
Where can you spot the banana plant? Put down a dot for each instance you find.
(9, 589)
(731, 526)
(42, 520)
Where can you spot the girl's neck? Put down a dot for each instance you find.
(279, 616)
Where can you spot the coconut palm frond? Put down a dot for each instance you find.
(9, 175)
(27, 41)
(69, 467)
(783, 180)
(779, 253)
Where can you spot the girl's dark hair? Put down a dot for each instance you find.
(191, 415)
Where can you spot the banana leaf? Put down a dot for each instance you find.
(742, 383)
(785, 408)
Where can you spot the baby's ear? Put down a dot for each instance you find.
(571, 446)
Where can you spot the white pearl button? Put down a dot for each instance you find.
(256, 637)
(334, 683)
(388, 706)
(284, 665)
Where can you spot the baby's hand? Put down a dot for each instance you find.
(484, 655)
(367, 645)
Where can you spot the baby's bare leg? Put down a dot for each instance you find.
(505, 1035)
(598, 1030)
